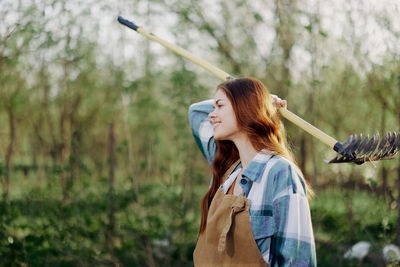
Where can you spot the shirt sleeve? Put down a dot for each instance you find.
(293, 244)
(202, 128)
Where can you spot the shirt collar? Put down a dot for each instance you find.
(257, 165)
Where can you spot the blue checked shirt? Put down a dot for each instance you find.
(279, 210)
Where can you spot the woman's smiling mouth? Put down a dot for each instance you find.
(216, 123)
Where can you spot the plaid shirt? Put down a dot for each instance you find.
(279, 210)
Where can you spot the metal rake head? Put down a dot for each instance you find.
(359, 150)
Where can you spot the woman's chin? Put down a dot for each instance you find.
(217, 137)
(220, 137)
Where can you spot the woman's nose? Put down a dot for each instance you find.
(211, 115)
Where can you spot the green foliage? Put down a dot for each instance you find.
(39, 230)
(339, 225)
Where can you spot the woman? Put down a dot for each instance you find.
(256, 211)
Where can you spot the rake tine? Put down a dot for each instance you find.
(342, 150)
(370, 148)
(362, 146)
(350, 150)
(375, 155)
(392, 143)
(336, 159)
(365, 146)
(384, 143)
(346, 144)
(346, 151)
(385, 148)
(391, 151)
(390, 146)
(397, 147)
(372, 145)
(396, 143)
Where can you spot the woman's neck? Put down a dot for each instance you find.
(246, 150)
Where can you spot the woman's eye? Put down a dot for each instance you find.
(217, 106)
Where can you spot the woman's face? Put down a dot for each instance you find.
(223, 117)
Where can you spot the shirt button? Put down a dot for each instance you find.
(243, 181)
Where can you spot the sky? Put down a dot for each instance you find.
(369, 18)
(375, 39)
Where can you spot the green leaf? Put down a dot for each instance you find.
(258, 17)
(323, 34)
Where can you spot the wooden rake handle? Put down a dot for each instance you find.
(290, 116)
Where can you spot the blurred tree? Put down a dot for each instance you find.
(285, 12)
(110, 229)
(14, 45)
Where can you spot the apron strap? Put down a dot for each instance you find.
(231, 168)
(237, 206)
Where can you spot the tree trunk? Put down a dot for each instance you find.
(125, 100)
(398, 204)
(61, 153)
(149, 251)
(398, 171)
(303, 155)
(350, 213)
(109, 234)
(284, 28)
(74, 158)
(9, 152)
(66, 116)
(384, 171)
(398, 197)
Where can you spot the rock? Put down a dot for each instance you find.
(391, 253)
(358, 251)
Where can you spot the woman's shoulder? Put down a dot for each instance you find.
(278, 164)
(286, 176)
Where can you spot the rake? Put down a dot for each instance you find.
(357, 149)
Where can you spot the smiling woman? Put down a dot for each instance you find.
(223, 118)
(256, 211)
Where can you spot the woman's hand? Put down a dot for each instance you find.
(279, 103)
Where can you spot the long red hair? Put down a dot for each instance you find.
(258, 117)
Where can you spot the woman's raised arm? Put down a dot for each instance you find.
(202, 128)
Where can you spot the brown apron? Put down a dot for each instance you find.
(228, 239)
